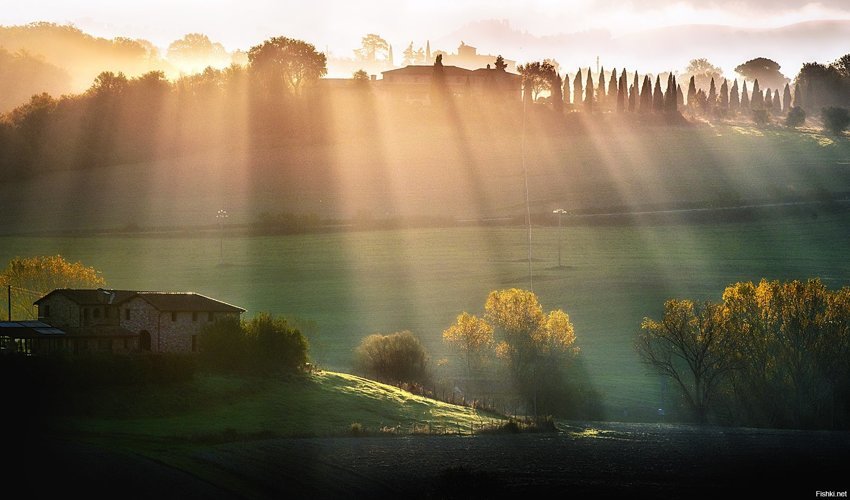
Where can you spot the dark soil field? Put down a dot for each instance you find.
(589, 460)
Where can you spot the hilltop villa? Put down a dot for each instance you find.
(118, 321)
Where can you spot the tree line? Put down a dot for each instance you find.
(818, 88)
(771, 354)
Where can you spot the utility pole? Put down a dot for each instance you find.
(559, 212)
(221, 215)
(9, 301)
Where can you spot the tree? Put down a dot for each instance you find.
(757, 99)
(33, 277)
(612, 91)
(536, 345)
(396, 358)
(557, 98)
(577, 89)
(566, 91)
(786, 99)
(702, 72)
(264, 345)
(372, 48)
(724, 97)
(712, 97)
(765, 70)
(745, 99)
(622, 91)
(537, 77)
(796, 117)
(777, 102)
(691, 345)
(734, 99)
(670, 97)
(798, 96)
(633, 94)
(195, 51)
(836, 119)
(692, 94)
(601, 97)
(274, 345)
(500, 64)
(294, 63)
(646, 95)
(658, 96)
(823, 86)
(471, 334)
(588, 93)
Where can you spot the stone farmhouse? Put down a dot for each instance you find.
(118, 321)
(413, 84)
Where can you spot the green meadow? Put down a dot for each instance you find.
(354, 283)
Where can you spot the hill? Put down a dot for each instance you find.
(454, 171)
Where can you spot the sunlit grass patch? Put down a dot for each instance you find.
(747, 131)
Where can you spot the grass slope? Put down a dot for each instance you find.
(219, 407)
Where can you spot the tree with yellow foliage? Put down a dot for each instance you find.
(470, 334)
(33, 277)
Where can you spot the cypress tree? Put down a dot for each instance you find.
(768, 100)
(711, 101)
(777, 101)
(670, 95)
(692, 95)
(577, 89)
(745, 99)
(757, 99)
(798, 96)
(734, 99)
(646, 95)
(657, 96)
(724, 97)
(588, 93)
(557, 97)
(633, 94)
(680, 98)
(566, 90)
(786, 99)
(621, 92)
(612, 90)
(601, 98)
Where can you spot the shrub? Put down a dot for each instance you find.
(274, 346)
(761, 117)
(395, 358)
(796, 117)
(836, 119)
(264, 345)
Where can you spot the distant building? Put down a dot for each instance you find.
(468, 57)
(413, 84)
(85, 320)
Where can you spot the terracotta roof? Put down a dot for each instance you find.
(186, 302)
(427, 70)
(164, 301)
(84, 296)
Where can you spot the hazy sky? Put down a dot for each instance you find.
(338, 24)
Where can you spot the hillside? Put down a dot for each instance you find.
(451, 172)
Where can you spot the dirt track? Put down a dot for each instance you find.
(583, 461)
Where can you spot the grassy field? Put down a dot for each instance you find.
(321, 404)
(356, 283)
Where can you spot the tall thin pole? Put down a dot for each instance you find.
(9, 301)
(559, 238)
(527, 204)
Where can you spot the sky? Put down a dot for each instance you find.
(336, 26)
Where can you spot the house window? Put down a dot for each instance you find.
(173, 316)
(209, 316)
(127, 314)
(194, 316)
(194, 343)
